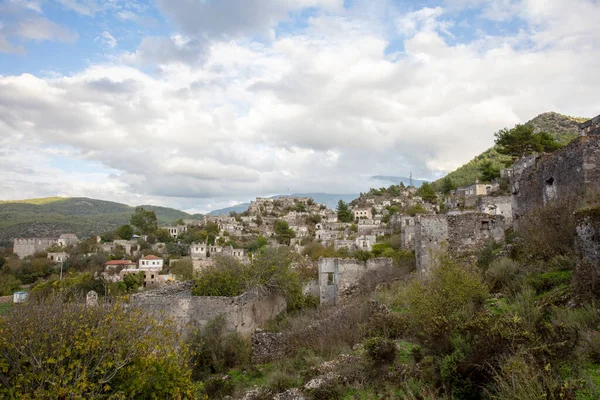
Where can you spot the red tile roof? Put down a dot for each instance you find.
(119, 262)
(151, 257)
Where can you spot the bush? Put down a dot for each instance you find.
(8, 285)
(441, 300)
(218, 387)
(57, 349)
(503, 275)
(213, 351)
(380, 350)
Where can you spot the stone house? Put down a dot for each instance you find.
(364, 213)
(67, 239)
(458, 234)
(566, 175)
(151, 262)
(198, 251)
(114, 264)
(176, 231)
(58, 257)
(497, 205)
(339, 276)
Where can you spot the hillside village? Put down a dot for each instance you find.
(187, 272)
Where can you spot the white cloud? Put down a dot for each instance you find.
(83, 7)
(41, 29)
(108, 40)
(319, 109)
(236, 17)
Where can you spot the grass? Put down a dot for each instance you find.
(38, 201)
(4, 307)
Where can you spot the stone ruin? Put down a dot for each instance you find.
(568, 174)
(91, 299)
(243, 313)
(339, 278)
(460, 234)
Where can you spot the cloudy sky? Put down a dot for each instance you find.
(198, 104)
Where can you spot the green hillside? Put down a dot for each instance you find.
(563, 128)
(82, 216)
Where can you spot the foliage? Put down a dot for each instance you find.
(269, 271)
(125, 232)
(215, 351)
(344, 214)
(427, 193)
(8, 285)
(437, 302)
(283, 232)
(133, 281)
(416, 209)
(489, 171)
(144, 220)
(522, 140)
(183, 270)
(447, 185)
(380, 350)
(503, 275)
(53, 349)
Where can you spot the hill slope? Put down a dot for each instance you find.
(82, 216)
(562, 127)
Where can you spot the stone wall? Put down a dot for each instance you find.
(456, 233)
(567, 174)
(243, 313)
(496, 205)
(590, 127)
(431, 234)
(587, 241)
(29, 246)
(340, 277)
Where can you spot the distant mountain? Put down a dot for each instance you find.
(52, 216)
(331, 200)
(562, 127)
(396, 180)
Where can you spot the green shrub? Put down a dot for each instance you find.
(109, 351)
(441, 300)
(281, 381)
(503, 274)
(218, 387)
(214, 351)
(380, 350)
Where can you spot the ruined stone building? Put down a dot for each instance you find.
(364, 213)
(24, 247)
(58, 257)
(405, 224)
(568, 174)
(457, 234)
(496, 205)
(591, 127)
(339, 277)
(176, 231)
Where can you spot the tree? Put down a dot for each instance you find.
(125, 232)
(163, 235)
(448, 185)
(8, 285)
(489, 171)
(183, 270)
(427, 193)
(522, 141)
(344, 214)
(283, 232)
(145, 221)
(133, 281)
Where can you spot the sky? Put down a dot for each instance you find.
(201, 104)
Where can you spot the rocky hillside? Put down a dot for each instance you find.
(82, 216)
(564, 129)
